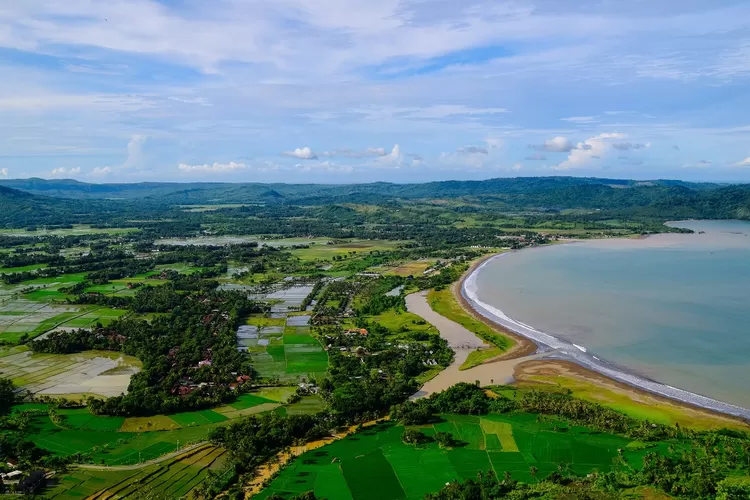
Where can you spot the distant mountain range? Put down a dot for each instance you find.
(57, 199)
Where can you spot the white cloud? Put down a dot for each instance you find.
(393, 159)
(494, 142)
(4, 172)
(580, 119)
(517, 167)
(215, 168)
(349, 153)
(626, 146)
(301, 153)
(587, 153)
(62, 171)
(557, 144)
(135, 151)
(101, 171)
(743, 163)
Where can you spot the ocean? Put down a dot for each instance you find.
(674, 308)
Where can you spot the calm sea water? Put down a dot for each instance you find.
(674, 308)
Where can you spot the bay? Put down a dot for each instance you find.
(674, 308)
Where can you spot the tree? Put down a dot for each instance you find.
(411, 436)
(7, 395)
(735, 488)
(444, 439)
(533, 471)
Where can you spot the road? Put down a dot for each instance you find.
(155, 461)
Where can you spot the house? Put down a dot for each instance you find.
(12, 476)
(358, 331)
(205, 362)
(242, 379)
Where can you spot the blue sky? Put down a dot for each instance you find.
(363, 90)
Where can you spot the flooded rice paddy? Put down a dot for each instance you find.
(92, 372)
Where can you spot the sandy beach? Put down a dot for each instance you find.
(556, 350)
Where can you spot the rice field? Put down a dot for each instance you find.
(174, 478)
(119, 441)
(376, 464)
(285, 352)
(35, 312)
(103, 373)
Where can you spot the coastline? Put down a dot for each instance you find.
(529, 340)
(522, 346)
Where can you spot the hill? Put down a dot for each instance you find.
(660, 199)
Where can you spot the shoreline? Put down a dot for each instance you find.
(559, 350)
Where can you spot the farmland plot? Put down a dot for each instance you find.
(377, 464)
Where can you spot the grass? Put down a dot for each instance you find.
(444, 303)
(650, 409)
(322, 251)
(412, 268)
(376, 464)
(248, 401)
(479, 356)
(154, 423)
(403, 321)
(306, 405)
(11, 270)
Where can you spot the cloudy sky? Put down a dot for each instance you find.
(364, 90)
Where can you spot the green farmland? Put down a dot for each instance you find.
(119, 441)
(376, 464)
(284, 352)
(173, 478)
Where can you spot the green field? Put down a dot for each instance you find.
(376, 464)
(118, 441)
(289, 355)
(174, 478)
(322, 251)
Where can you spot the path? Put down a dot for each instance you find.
(141, 465)
(463, 342)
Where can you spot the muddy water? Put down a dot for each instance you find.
(463, 342)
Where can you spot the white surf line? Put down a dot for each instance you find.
(581, 356)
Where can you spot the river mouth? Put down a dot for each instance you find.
(665, 313)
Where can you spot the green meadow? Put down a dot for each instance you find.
(375, 464)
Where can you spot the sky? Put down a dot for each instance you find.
(340, 91)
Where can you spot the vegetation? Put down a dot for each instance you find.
(200, 299)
